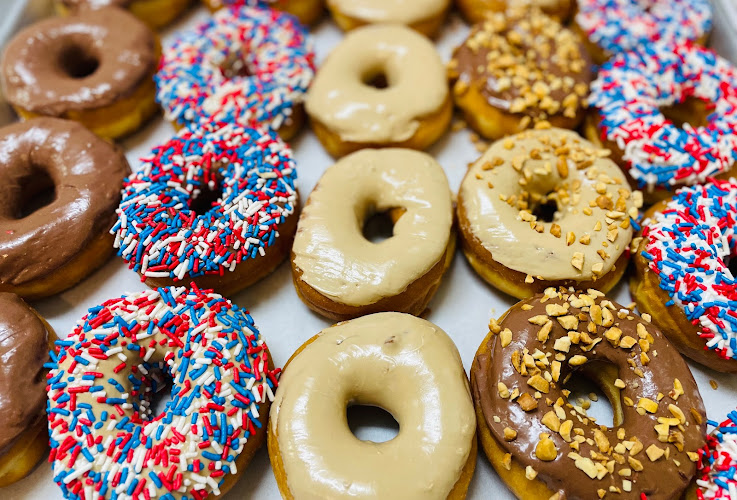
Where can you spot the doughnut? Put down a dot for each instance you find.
(25, 339)
(95, 68)
(476, 11)
(106, 440)
(717, 467)
(246, 64)
(155, 13)
(614, 26)
(385, 360)
(47, 249)
(382, 86)
(542, 444)
(546, 208)
(217, 206)
(696, 137)
(517, 69)
(339, 273)
(683, 279)
(423, 16)
(307, 11)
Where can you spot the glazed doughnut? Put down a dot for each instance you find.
(476, 11)
(543, 445)
(155, 13)
(696, 86)
(546, 208)
(25, 339)
(45, 250)
(423, 16)
(382, 86)
(307, 11)
(95, 68)
(385, 360)
(106, 441)
(682, 276)
(614, 26)
(338, 272)
(716, 478)
(217, 206)
(246, 64)
(516, 69)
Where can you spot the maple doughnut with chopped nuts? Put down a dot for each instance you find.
(518, 68)
(476, 10)
(546, 208)
(423, 16)
(543, 445)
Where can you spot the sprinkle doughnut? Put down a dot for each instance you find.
(155, 13)
(546, 208)
(518, 68)
(626, 102)
(338, 272)
(45, 250)
(382, 86)
(95, 68)
(543, 445)
(423, 16)
(614, 26)
(307, 11)
(199, 77)
(683, 277)
(717, 476)
(476, 10)
(170, 228)
(385, 360)
(106, 442)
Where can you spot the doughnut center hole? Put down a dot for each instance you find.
(691, 110)
(379, 226)
(37, 190)
(731, 263)
(371, 423)
(546, 210)
(589, 398)
(376, 78)
(206, 199)
(78, 62)
(235, 67)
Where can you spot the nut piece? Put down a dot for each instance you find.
(527, 402)
(509, 434)
(545, 449)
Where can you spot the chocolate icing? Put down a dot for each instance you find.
(87, 173)
(659, 479)
(23, 351)
(39, 62)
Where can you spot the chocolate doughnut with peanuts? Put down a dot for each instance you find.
(545, 446)
(338, 272)
(546, 208)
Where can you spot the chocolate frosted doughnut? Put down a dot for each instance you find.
(543, 445)
(55, 246)
(96, 68)
(155, 13)
(24, 346)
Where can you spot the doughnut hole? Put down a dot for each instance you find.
(596, 378)
(235, 66)
(692, 110)
(546, 209)
(77, 61)
(379, 226)
(209, 196)
(731, 263)
(371, 423)
(377, 78)
(37, 190)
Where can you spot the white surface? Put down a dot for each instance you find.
(462, 306)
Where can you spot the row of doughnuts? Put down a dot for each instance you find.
(165, 167)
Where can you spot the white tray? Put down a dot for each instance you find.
(462, 306)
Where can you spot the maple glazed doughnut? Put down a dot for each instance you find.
(424, 16)
(106, 441)
(476, 10)
(307, 11)
(338, 272)
(45, 250)
(95, 68)
(544, 446)
(382, 86)
(155, 13)
(683, 278)
(25, 340)
(546, 208)
(385, 360)
(519, 68)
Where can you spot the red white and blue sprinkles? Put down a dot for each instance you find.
(201, 77)
(620, 25)
(105, 440)
(632, 87)
(160, 236)
(688, 246)
(717, 474)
